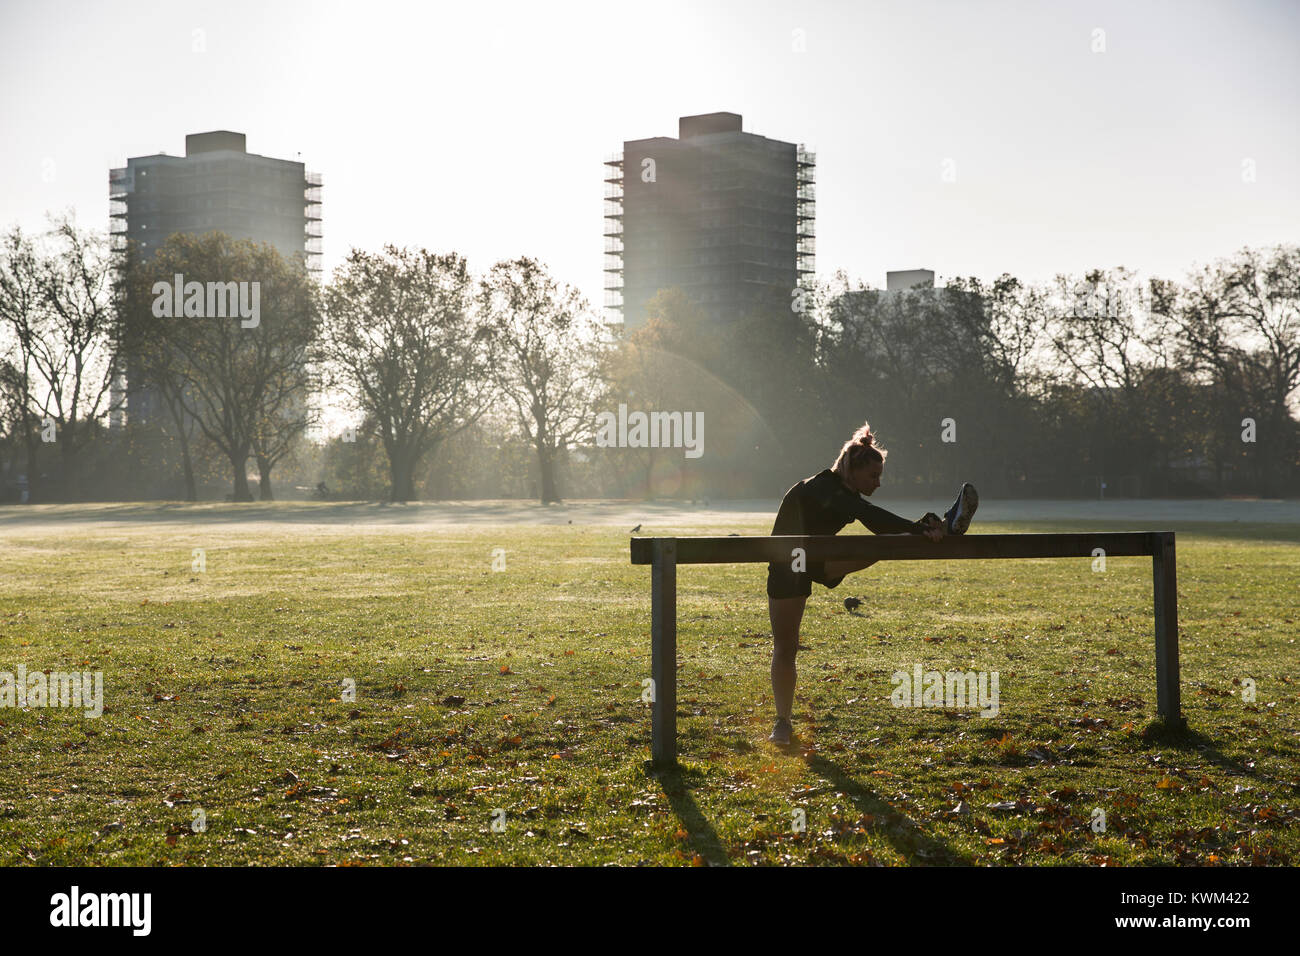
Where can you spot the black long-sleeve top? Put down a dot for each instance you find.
(823, 504)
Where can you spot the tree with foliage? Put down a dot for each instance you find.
(404, 341)
(152, 367)
(244, 382)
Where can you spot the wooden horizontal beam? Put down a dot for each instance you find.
(744, 549)
(666, 553)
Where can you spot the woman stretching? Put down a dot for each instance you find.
(823, 504)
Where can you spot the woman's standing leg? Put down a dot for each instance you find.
(786, 615)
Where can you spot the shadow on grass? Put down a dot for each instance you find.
(703, 838)
(909, 839)
(1184, 738)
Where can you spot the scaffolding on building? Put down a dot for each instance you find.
(806, 212)
(614, 238)
(121, 183)
(313, 230)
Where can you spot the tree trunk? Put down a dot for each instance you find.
(430, 449)
(546, 462)
(1261, 481)
(240, 464)
(264, 467)
(405, 491)
(191, 491)
(70, 479)
(33, 479)
(402, 466)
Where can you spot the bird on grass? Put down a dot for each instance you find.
(851, 604)
(636, 529)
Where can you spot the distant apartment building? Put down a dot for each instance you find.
(909, 279)
(216, 186)
(903, 287)
(724, 215)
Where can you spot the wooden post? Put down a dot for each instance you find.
(1168, 698)
(663, 653)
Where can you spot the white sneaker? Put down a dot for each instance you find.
(957, 518)
(782, 732)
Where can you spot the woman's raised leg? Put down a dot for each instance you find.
(837, 569)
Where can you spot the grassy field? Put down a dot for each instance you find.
(481, 691)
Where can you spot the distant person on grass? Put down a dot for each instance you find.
(823, 504)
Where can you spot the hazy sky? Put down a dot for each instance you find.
(481, 126)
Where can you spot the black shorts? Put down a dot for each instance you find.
(784, 583)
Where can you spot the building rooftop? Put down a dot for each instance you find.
(214, 141)
(705, 123)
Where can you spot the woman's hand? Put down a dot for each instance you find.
(932, 527)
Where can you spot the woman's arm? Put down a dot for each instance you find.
(877, 520)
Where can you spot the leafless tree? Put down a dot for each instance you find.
(1237, 322)
(56, 300)
(548, 359)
